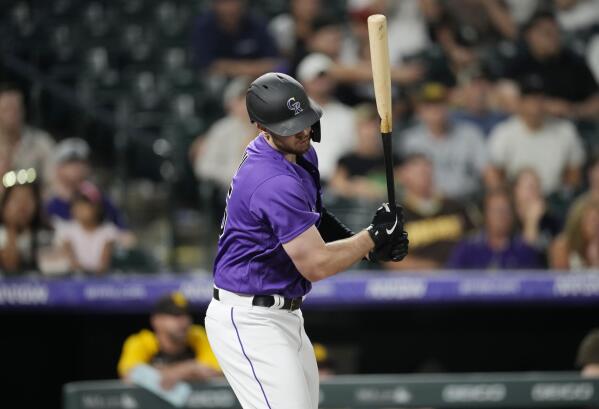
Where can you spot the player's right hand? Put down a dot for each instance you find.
(386, 225)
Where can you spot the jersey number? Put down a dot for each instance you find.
(223, 223)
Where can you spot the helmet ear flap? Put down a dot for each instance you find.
(315, 132)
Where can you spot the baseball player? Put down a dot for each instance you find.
(276, 239)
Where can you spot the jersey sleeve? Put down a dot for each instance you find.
(201, 346)
(138, 349)
(282, 202)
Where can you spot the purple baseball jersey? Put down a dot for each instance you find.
(270, 202)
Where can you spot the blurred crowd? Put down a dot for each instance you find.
(495, 134)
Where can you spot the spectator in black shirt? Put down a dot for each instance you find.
(230, 41)
(361, 173)
(569, 84)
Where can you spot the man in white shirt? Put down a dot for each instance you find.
(337, 123)
(531, 139)
(216, 155)
(457, 149)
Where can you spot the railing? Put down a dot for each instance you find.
(483, 390)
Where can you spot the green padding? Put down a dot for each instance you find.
(484, 390)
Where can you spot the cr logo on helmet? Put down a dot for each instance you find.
(294, 105)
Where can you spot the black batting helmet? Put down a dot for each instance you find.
(279, 103)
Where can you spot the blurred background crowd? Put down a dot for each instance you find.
(122, 123)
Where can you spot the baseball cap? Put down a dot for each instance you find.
(588, 351)
(536, 18)
(432, 93)
(172, 304)
(71, 149)
(312, 66)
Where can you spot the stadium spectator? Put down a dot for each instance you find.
(22, 229)
(176, 347)
(457, 150)
(593, 56)
(327, 37)
(592, 181)
(337, 123)
(567, 80)
(326, 367)
(531, 139)
(587, 357)
(21, 146)
(495, 246)
(71, 169)
(537, 223)
(476, 23)
(88, 240)
(350, 53)
(408, 22)
(360, 174)
(434, 224)
(463, 29)
(577, 16)
(230, 41)
(577, 248)
(292, 30)
(474, 105)
(216, 155)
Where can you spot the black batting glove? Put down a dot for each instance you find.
(386, 224)
(395, 250)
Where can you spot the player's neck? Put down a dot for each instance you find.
(291, 157)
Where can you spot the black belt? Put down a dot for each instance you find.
(268, 301)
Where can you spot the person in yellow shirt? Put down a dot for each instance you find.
(176, 347)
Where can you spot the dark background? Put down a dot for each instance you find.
(45, 350)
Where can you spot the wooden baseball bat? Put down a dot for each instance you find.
(381, 77)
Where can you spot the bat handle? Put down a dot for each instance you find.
(388, 152)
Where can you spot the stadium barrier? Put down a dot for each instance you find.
(475, 390)
(137, 293)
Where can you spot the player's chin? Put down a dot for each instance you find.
(302, 148)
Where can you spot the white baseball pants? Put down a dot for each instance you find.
(264, 353)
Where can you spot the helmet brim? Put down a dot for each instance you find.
(298, 123)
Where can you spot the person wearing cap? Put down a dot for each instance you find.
(434, 223)
(326, 367)
(570, 87)
(587, 357)
(457, 149)
(337, 123)
(71, 168)
(532, 139)
(21, 146)
(175, 346)
(215, 155)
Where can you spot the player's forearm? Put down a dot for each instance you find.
(339, 255)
